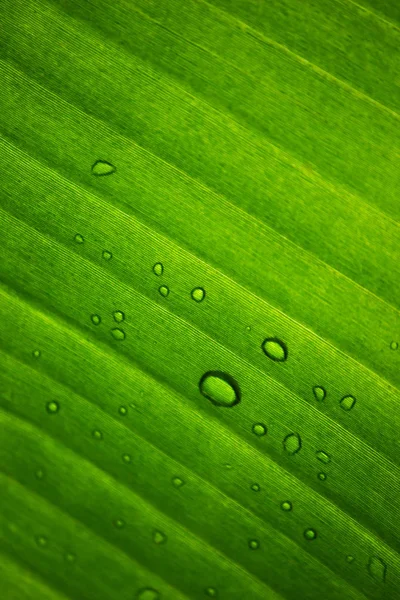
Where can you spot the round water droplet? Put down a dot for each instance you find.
(164, 290)
(322, 476)
(127, 458)
(198, 294)
(118, 334)
(254, 544)
(118, 316)
(377, 568)
(394, 345)
(292, 443)
(347, 402)
(123, 411)
(220, 388)
(79, 239)
(310, 534)
(41, 540)
(323, 456)
(36, 354)
(255, 487)
(106, 254)
(286, 505)
(97, 434)
(350, 558)
(148, 594)
(70, 557)
(211, 592)
(177, 482)
(103, 167)
(275, 349)
(158, 269)
(96, 319)
(39, 474)
(248, 328)
(259, 429)
(119, 523)
(52, 407)
(319, 393)
(159, 537)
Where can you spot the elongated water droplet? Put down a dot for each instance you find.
(377, 568)
(323, 456)
(159, 537)
(97, 434)
(106, 254)
(148, 594)
(127, 458)
(322, 476)
(259, 429)
(394, 345)
(158, 269)
(220, 388)
(347, 402)
(123, 411)
(211, 592)
(41, 540)
(286, 505)
(177, 482)
(198, 294)
(164, 290)
(255, 487)
(103, 167)
(228, 466)
(119, 523)
(254, 544)
(275, 349)
(36, 354)
(79, 239)
(350, 558)
(319, 393)
(118, 334)
(292, 443)
(310, 534)
(52, 407)
(119, 316)
(96, 319)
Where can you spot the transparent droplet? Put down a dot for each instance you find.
(220, 388)
(106, 254)
(322, 476)
(292, 443)
(259, 429)
(70, 557)
(159, 537)
(394, 345)
(41, 540)
(39, 474)
(211, 592)
(52, 407)
(319, 393)
(254, 544)
(123, 411)
(323, 456)
(97, 434)
(118, 334)
(148, 594)
(177, 482)
(79, 239)
(198, 294)
(347, 402)
(96, 319)
(377, 568)
(119, 316)
(164, 290)
(127, 458)
(255, 487)
(275, 349)
(350, 558)
(286, 505)
(248, 328)
(36, 354)
(310, 534)
(103, 167)
(158, 269)
(119, 523)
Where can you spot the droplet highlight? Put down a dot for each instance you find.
(377, 568)
(158, 269)
(323, 456)
(159, 537)
(177, 482)
(286, 506)
(255, 487)
(310, 534)
(322, 476)
(118, 334)
(198, 294)
(78, 238)
(220, 388)
(292, 443)
(36, 354)
(52, 407)
(259, 429)
(275, 349)
(96, 433)
(127, 458)
(148, 594)
(119, 316)
(41, 541)
(103, 167)
(254, 544)
(319, 393)
(96, 319)
(106, 255)
(163, 290)
(394, 345)
(211, 592)
(350, 558)
(347, 402)
(123, 411)
(119, 523)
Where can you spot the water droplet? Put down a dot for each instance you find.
(119, 316)
(323, 457)
(292, 443)
(254, 544)
(286, 505)
(255, 487)
(228, 466)
(103, 167)
(220, 388)
(36, 354)
(248, 328)
(347, 402)
(322, 476)
(259, 429)
(123, 411)
(164, 290)
(177, 482)
(198, 294)
(39, 474)
(148, 594)
(41, 541)
(211, 592)
(158, 269)
(159, 537)
(70, 557)
(319, 393)
(377, 568)
(96, 319)
(119, 523)
(97, 434)
(106, 254)
(79, 239)
(394, 345)
(350, 558)
(127, 458)
(118, 334)
(310, 534)
(275, 349)
(52, 407)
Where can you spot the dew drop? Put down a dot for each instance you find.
(394, 345)
(323, 457)
(118, 334)
(164, 290)
(96, 319)
(259, 429)
(198, 294)
(119, 523)
(119, 316)
(39, 474)
(41, 541)
(123, 411)
(70, 557)
(102, 167)
(52, 407)
(255, 487)
(347, 402)
(292, 443)
(286, 505)
(319, 393)
(78, 238)
(310, 534)
(148, 594)
(177, 482)
(106, 254)
(211, 592)
(350, 558)
(220, 388)
(159, 537)
(36, 354)
(97, 434)
(158, 269)
(275, 349)
(127, 458)
(254, 544)
(248, 328)
(377, 568)
(322, 476)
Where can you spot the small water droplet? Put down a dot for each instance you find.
(118, 334)
(96, 319)
(36, 354)
(177, 482)
(127, 458)
(347, 402)
(123, 411)
(79, 239)
(350, 558)
(292, 443)
(106, 254)
(103, 167)
(70, 557)
(41, 541)
(52, 407)
(148, 594)
(254, 544)
(97, 434)
(39, 474)
(286, 505)
(259, 429)
(319, 393)
(394, 345)
(119, 523)
(158, 269)
(119, 316)
(323, 456)
(310, 534)
(255, 487)
(164, 290)
(198, 294)
(211, 592)
(228, 466)
(248, 328)
(220, 388)
(275, 349)
(322, 476)
(159, 537)
(377, 568)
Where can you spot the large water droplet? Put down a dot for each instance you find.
(158, 269)
(106, 254)
(103, 167)
(36, 354)
(323, 456)
(377, 568)
(119, 316)
(164, 290)
(159, 537)
(310, 534)
(41, 540)
(79, 239)
(148, 594)
(319, 393)
(52, 407)
(96, 319)
(259, 429)
(286, 505)
(118, 334)
(292, 443)
(275, 349)
(198, 294)
(347, 402)
(254, 544)
(220, 388)
(177, 482)
(394, 345)
(97, 434)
